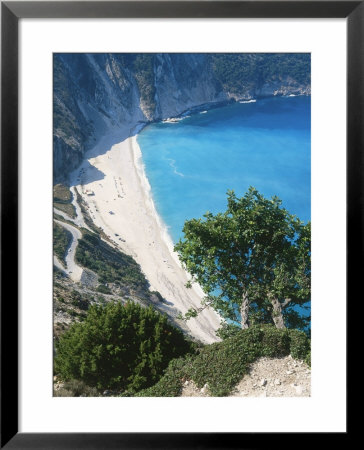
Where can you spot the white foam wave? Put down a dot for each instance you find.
(140, 168)
(172, 163)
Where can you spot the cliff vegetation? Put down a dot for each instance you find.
(98, 93)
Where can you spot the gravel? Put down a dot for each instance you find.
(267, 377)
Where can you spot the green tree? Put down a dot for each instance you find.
(119, 347)
(252, 261)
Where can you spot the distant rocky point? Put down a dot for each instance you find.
(95, 94)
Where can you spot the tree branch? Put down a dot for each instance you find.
(286, 301)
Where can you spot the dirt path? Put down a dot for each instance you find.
(78, 220)
(73, 270)
(121, 204)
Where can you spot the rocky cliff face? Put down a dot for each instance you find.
(183, 82)
(97, 93)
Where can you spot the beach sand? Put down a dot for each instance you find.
(113, 183)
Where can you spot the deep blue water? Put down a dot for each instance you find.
(191, 164)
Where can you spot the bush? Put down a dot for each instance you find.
(300, 344)
(227, 330)
(223, 364)
(275, 342)
(308, 358)
(111, 265)
(119, 347)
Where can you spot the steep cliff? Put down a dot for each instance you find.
(99, 93)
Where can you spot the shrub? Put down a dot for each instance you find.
(275, 342)
(111, 265)
(227, 330)
(300, 344)
(119, 347)
(223, 364)
(308, 358)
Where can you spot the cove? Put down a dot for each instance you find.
(191, 163)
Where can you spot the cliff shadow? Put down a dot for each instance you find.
(86, 174)
(112, 137)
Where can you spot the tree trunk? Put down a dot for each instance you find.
(277, 314)
(244, 312)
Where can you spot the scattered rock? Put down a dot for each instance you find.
(58, 385)
(267, 377)
(191, 390)
(282, 380)
(205, 389)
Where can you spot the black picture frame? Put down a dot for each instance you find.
(11, 12)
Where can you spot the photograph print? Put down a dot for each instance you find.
(182, 224)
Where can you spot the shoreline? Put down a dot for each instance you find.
(122, 205)
(206, 107)
(113, 184)
(163, 228)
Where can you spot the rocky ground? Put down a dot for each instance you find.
(267, 377)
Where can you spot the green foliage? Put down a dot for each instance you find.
(254, 251)
(275, 342)
(62, 198)
(87, 218)
(103, 289)
(239, 71)
(227, 330)
(119, 347)
(308, 358)
(67, 208)
(300, 345)
(170, 385)
(61, 241)
(191, 313)
(110, 264)
(223, 364)
(61, 193)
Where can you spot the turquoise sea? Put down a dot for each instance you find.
(191, 164)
